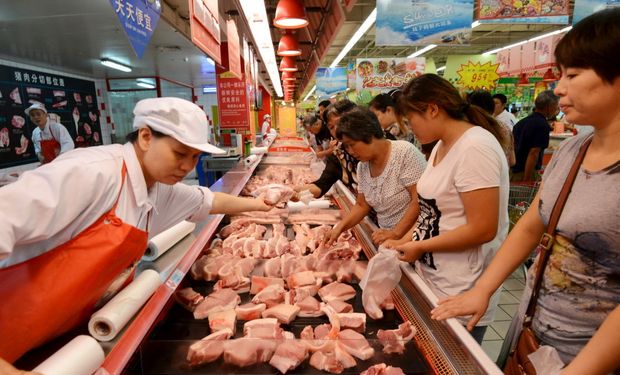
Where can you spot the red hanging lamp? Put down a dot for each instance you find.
(523, 81)
(290, 14)
(289, 46)
(288, 76)
(549, 76)
(288, 64)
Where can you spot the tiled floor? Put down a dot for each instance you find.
(508, 303)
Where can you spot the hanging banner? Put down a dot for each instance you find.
(232, 101)
(205, 27)
(476, 76)
(543, 11)
(234, 52)
(418, 22)
(385, 74)
(330, 81)
(503, 59)
(544, 57)
(69, 101)
(584, 8)
(139, 19)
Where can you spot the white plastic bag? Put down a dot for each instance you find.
(382, 275)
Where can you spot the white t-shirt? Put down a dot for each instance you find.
(55, 131)
(475, 161)
(50, 205)
(265, 129)
(507, 118)
(387, 193)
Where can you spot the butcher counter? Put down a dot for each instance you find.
(157, 339)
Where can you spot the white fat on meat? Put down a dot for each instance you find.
(209, 348)
(271, 295)
(382, 369)
(289, 354)
(250, 311)
(338, 291)
(188, 298)
(196, 271)
(273, 194)
(340, 306)
(333, 360)
(300, 279)
(261, 282)
(273, 267)
(394, 340)
(354, 321)
(220, 320)
(247, 351)
(283, 312)
(309, 307)
(223, 299)
(355, 344)
(268, 328)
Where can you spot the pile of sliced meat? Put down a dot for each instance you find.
(276, 174)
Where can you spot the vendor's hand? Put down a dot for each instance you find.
(409, 251)
(331, 236)
(381, 235)
(261, 205)
(474, 302)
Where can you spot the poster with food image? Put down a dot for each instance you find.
(330, 81)
(386, 73)
(523, 11)
(69, 101)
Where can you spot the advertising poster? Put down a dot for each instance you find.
(69, 101)
(139, 19)
(417, 22)
(537, 11)
(385, 74)
(330, 81)
(584, 8)
(476, 76)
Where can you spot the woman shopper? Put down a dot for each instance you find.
(577, 308)
(95, 211)
(387, 173)
(463, 193)
(384, 107)
(325, 144)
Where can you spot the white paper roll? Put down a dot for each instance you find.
(106, 323)
(319, 203)
(81, 356)
(295, 206)
(258, 150)
(250, 160)
(165, 240)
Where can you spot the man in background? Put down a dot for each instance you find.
(500, 112)
(266, 127)
(50, 138)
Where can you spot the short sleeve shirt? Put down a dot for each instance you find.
(531, 132)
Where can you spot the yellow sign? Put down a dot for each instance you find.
(478, 76)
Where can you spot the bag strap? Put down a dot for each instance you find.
(547, 239)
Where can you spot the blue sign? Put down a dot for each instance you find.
(420, 22)
(330, 81)
(584, 8)
(139, 19)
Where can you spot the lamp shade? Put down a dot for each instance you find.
(523, 81)
(290, 14)
(289, 46)
(288, 64)
(549, 76)
(288, 76)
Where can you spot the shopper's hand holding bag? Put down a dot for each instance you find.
(518, 362)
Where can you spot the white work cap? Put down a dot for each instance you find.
(36, 105)
(177, 118)
(266, 116)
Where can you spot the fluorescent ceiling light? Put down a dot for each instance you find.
(145, 84)
(422, 51)
(310, 93)
(256, 17)
(496, 50)
(358, 34)
(475, 24)
(209, 90)
(441, 68)
(114, 65)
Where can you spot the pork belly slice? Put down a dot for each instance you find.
(209, 348)
(261, 282)
(309, 307)
(247, 351)
(268, 328)
(355, 344)
(355, 321)
(300, 279)
(337, 291)
(283, 312)
(223, 299)
(272, 295)
(273, 267)
(360, 269)
(394, 340)
(226, 319)
(382, 369)
(340, 306)
(196, 270)
(289, 354)
(250, 311)
(188, 298)
(333, 360)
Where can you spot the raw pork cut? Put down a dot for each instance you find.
(355, 344)
(208, 349)
(250, 311)
(268, 328)
(337, 291)
(223, 299)
(247, 351)
(284, 313)
(188, 298)
(394, 340)
(289, 354)
(226, 319)
(383, 369)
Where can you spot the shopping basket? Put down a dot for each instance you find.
(520, 197)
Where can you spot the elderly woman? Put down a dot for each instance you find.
(387, 173)
(577, 308)
(325, 144)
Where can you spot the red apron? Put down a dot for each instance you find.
(50, 148)
(46, 296)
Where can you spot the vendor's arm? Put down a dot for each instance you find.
(64, 138)
(357, 213)
(601, 355)
(404, 225)
(330, 175)
(229, 204)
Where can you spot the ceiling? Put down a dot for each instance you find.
(72, 35)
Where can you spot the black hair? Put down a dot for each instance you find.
(546, 99)
(502, 98)
(482, 99)
(323, 132)
(133, 136)
(339, 108)
(381, 102)
(591, 43)
(359, 124)
(325, 103)
(311, 119)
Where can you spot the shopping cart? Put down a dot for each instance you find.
(519, 199)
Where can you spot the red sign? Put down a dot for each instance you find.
(234, 53)
(205, 27)
(232, 100)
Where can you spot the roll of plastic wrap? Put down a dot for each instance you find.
(319, 203)
(106, 323)
(295, 206)
(161, 243)
(258, 150)
(250, 160)
(81, 356)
